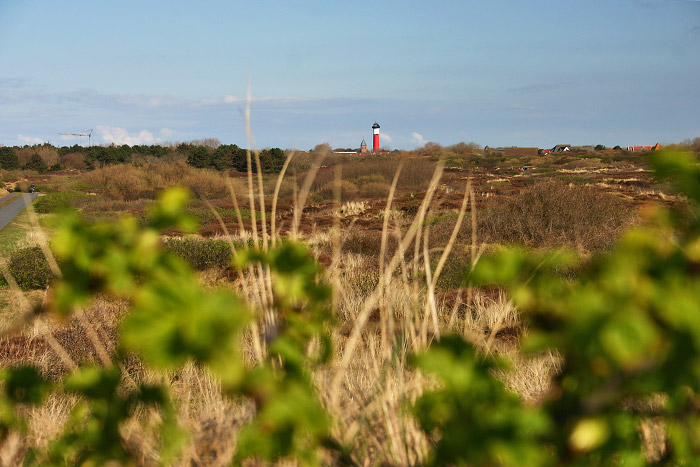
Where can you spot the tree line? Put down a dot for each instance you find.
(46, 157)
(230, 156)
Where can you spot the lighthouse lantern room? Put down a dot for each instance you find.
(375, 145)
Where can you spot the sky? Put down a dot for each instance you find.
(496, 72)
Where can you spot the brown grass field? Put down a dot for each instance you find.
(395, 251)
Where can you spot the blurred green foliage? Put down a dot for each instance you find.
(476, 421)
(290, 419)
(21, 386)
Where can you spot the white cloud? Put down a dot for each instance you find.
(117, 135)
(166, 132)
(31, 140)
(386, 137)
(417, 138)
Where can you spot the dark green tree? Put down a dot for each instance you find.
(36, 163)
(223, 157)
(8, 159)
(230, 156)
(272, 160)
(100, 155)
(197, 156)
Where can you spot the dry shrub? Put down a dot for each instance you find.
(96, 207)
(537, 161)
(120, 182)
(205, 184)
(347, 190)
(286, 187)
(554, 214)
(48, 154)
(127, 182)
(416, 172)
(441, 229)
(73, 160)
(374, 190)
(369, 242)
(363, 180)
(352, 208)
(579, 163)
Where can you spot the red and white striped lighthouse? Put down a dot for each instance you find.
(375, 128)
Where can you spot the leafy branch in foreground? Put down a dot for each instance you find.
(628, 331)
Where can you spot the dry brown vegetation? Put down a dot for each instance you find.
(397, 276)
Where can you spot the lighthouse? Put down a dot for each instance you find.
(375, 146)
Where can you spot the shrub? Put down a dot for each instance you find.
(347, 190)
(286, 187)
(452, 275)
(129, 183)
(554, 214)
(415, 172)
(364, 179)
(30, 268)
(73, 160)
(55, 201)
(374, 190)
(201, 254)
(352, 208)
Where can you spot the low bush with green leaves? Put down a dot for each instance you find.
(54, 202)
(201, 254)
(30, 269)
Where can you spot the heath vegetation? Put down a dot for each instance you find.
(440, 307)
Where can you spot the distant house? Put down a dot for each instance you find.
(656, 147)
(515, 151)
(561, 148)
(544, 152)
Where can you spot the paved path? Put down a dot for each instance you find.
(7, 196)
(9, 212)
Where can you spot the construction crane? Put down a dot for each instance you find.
(88, 134)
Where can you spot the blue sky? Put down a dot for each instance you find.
(498, 72)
